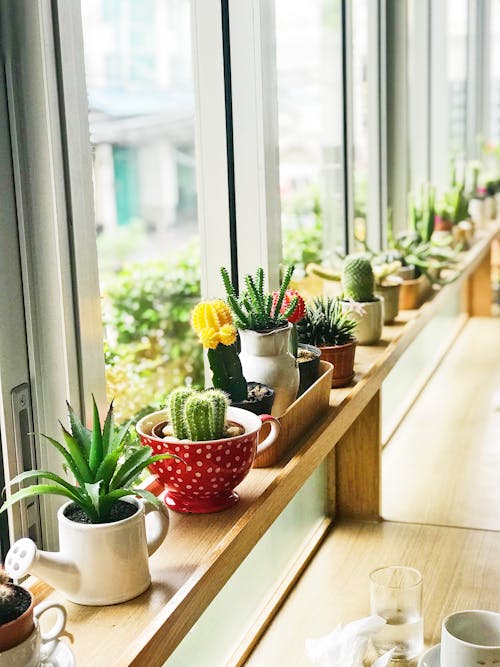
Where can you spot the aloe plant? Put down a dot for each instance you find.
(103, 462)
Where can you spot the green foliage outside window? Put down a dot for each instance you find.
(150, 347)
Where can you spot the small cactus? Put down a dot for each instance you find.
(357, 279)
(256, 309)
(199, 415)
(6, 591)
(213, 322)
(176, 402)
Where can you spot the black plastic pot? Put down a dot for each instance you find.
(260, 399)
(308, 370)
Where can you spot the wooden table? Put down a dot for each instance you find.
(460, 568)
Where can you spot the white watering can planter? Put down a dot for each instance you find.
(98, 564)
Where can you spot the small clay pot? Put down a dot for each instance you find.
(342, 358)
(308, 369)
(16, 631)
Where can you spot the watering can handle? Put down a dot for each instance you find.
(273, 433)
(156, 525)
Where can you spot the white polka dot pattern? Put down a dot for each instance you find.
(193, 476)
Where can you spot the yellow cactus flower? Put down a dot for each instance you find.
(213, 322)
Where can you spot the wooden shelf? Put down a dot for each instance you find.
(202, 552)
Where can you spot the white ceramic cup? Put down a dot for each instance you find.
(28, 653)
(471, 638)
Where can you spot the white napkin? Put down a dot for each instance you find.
(346, 646)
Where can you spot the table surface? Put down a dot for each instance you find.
(460, 569)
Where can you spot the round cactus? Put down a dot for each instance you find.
(357, 279)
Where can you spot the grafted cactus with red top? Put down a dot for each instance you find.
(289, 297)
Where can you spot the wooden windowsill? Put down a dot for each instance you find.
(202, 552)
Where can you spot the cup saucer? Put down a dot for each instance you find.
(431, 658)
(57, 654)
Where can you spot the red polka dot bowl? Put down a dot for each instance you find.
(204, 478)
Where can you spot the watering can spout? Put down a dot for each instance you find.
(52, 567)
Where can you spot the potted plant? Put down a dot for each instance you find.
(213, 322)
(388, 285)
(20, 637)
(101, 518)
(358, 284)
(265, 336)
(216, 445)
(307, 356)
(328, 327)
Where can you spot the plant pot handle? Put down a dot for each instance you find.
(273, 434)
(156, 525)
(59, 624)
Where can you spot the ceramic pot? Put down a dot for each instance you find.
(497, 204)
(205, 478)
(389, 291)
(407, 272)
(308, 370)
(342, 358)
(21, 640)
(98, 564)
(266, 358)
(489, 208)
(369, 324)
(477, 211)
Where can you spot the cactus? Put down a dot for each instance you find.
(176, 402)
(213, 323)
(357, 279)
(255, 309)
(200, 415)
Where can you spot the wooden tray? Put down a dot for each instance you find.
(299, 417)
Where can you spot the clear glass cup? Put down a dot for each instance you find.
(396, 596)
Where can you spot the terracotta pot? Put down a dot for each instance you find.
(413, 293)
(19, 629)
(308, 370)
(266, 358)
(205, 479)
(441, 225)
(342, 358)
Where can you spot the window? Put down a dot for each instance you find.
(141, 117)
(310, 113)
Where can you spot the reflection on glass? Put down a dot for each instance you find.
(495, 74)
(457, 25)
(309, 70)
(141, 116)
(360, 111)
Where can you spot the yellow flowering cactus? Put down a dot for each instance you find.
(213, 323)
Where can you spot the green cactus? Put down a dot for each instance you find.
(227, 373)
(176, 402)
(254, 309)
(357, 278)
(197, 415)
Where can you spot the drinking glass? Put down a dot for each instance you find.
(396, 596)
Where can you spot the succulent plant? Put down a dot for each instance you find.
(453, 205)
(197, 415)
(421, 211)
(213, 322)
(256, 309)
(358, 281)
(103, 462)
(325, 323)
(6, 591)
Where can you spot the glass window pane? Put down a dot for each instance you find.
(457, 26)
(309, 71)
(141, 115)
(495, 73)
